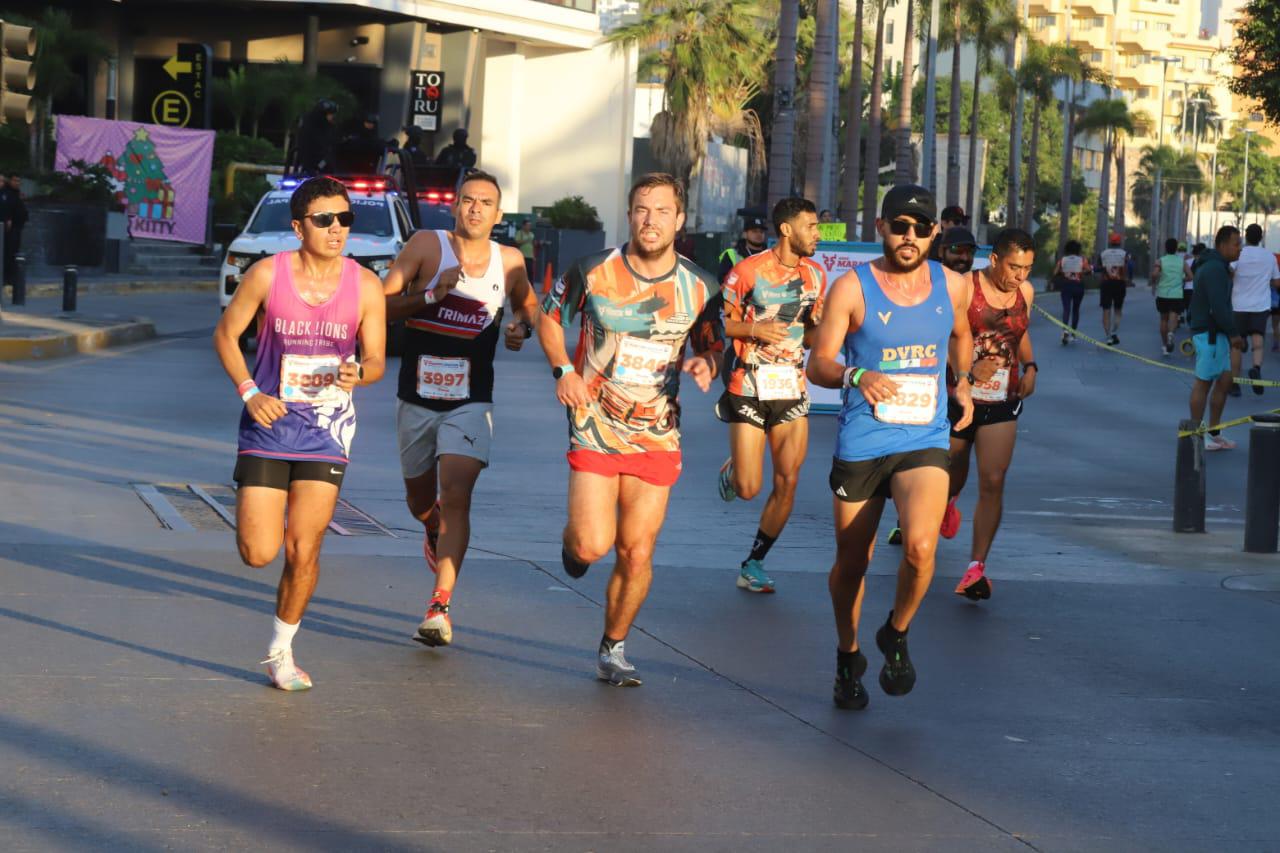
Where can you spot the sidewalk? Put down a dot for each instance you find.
(105, 316)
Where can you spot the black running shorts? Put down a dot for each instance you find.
(765, 414)
(1252, 322)
(855, 482)
(984, 414)
(1112, 293)
(1169, 306)
(279, 473)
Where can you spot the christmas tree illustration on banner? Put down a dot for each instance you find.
(147, 193)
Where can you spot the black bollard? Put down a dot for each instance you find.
(70, 275)
(1262, 493)
(20, 280)
(1189, 481)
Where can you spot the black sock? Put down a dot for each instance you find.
(606, 645)
(760, 547)
(893, 632)
(851, 662)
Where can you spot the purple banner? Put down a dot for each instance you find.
(162, 173)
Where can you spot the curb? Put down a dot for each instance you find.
(89, 340)
(112, 287)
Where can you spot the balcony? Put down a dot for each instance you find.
(580, 5)
(1090, 8)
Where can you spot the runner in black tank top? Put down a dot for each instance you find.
(449, 287)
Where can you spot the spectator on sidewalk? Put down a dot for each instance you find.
(751, 242)
(525, 241)
(1213, 331)
(458, 153)
(1256, 274)
(13, 210)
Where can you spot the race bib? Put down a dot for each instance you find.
(641, 362)
(309, 379)
(995, 389)
(916, 402)
(777, 382)
(444, 378)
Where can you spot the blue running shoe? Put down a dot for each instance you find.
(727, 493)
(753, 579)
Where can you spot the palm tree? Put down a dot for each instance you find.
(955, 31)
(1072, 68)
(781, 139)
(991, 23)
(1015, 128)
(710, 55)
(853, 138)
(871, 158)
(243, 94)
(905, 172)
(1036, 77)
(1110, 119)
(821, 98)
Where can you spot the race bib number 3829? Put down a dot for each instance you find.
(916, 402)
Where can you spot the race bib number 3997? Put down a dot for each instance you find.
(309, 379)
(916, 402)
(444, 378)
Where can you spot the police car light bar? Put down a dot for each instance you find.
(288, 183)
(368, 184)
(436, 196)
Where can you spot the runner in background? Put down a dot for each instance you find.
(772, 302)
(1115, 263)
(1255, 275)
(1168, 275)
(1068, 277)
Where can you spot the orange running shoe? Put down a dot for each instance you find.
(974, 585)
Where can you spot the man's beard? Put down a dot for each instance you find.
(638, 249)
(802, 251)
(895, 265)
(961, 267)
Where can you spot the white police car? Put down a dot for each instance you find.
(382, 226)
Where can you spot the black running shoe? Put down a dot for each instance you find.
(1235, 390)
(849, 693)
(897, 676)
(895, 536)
(572, 567)
(1256, 373)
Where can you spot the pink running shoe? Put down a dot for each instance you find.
(950, 521)
(284, 673)
(974, 585)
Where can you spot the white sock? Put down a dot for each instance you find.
(281, 635)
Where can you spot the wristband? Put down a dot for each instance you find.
(1027, 364)
(429, 296)
(248, 395)
(852, 375)
(245, 386)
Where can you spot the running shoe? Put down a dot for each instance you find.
(1115, 341)
(1168, 341)
(897, 676)
(895, 536)
(436, 629)
(572, 567)
(1218, 442)
(1166, 351)
(950, 521)
(284, 673)
(1065, 338)
(753, 579)
(849, 693)
(974, 585)
(727, 493)
(1256, 373)
(612, 666)
(1235, 390)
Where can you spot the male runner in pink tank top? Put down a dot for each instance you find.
(313, 306)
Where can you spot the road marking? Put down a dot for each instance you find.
(1044, 513)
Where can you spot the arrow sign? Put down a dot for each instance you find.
(176, 67)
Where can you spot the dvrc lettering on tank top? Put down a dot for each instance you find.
(450, 345)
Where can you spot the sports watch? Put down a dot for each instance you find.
(528, 329)
(562, 370)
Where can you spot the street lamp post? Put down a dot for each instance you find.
(929, 139)
(1244, 199)
(1195, 150)
(1166, 61)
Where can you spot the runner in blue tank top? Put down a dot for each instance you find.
(893, 321)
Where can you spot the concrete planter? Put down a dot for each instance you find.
(61, 233)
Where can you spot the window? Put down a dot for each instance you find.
(1133, 60)
(1162, 26)
(1043, 22)
(1203, 63)
(1095, 57)
(1138, 26)
(888, 33)
(1143, 92)
(1093, 23)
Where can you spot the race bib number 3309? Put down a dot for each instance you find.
(309, 379)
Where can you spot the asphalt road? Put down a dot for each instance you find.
(1116, 693)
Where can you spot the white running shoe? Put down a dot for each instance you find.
(284, 673)
(612, 666)
(1212, 442)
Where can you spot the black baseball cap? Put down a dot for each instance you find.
(909, 200)
(750, 222)
(958, 235)
(954, 213)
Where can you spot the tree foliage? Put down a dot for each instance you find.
(1256, 56)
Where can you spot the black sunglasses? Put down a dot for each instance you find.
(324, 220)
(901, 226)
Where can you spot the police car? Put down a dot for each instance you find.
(382, 226)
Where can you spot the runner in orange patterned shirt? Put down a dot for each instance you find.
(638, 306)
(772, 302)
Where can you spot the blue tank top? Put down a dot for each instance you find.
(908, 344)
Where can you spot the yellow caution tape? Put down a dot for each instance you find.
(1263, 383)
(1225, 424)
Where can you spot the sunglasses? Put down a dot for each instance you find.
(324, 220)
(900, 227)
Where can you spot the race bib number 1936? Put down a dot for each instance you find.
(309, 379)
(444, 378)
(916, 402)
(777, 382)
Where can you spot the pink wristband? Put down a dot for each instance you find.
(245, 386)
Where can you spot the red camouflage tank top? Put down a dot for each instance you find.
(996, 334)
